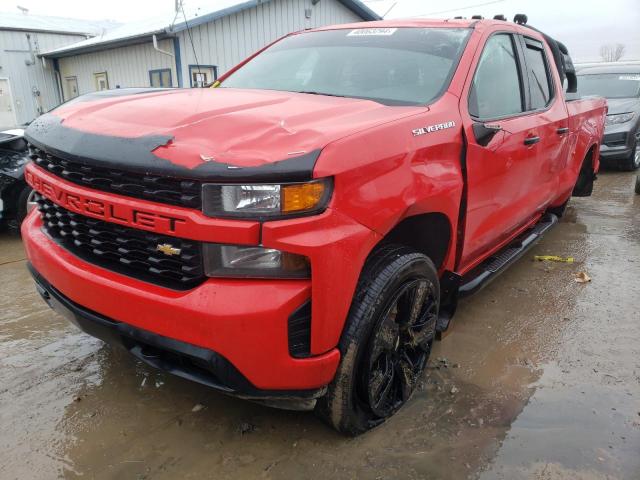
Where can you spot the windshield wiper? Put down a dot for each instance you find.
(311, 92)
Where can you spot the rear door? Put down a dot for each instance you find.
(550, 117)
(499, 171)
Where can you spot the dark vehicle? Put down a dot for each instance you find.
(15, 194)
(620, 85)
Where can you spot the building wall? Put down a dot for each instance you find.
(222, 43)
(24, 79)
(126, 66)
(227, 41)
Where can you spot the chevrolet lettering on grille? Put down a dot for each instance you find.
(92, 207)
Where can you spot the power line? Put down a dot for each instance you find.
(390, 8)
(193, 47)
(458, 9)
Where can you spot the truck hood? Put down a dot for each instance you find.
(191, 132)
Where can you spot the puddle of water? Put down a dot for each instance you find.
(505, 401)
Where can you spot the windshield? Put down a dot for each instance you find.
(610, 85)
(394, 66)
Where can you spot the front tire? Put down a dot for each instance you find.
(632, 163)
(26, 202)
(386, 342)
(23, 206)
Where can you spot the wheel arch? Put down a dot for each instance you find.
(429, 233)
(586, 174)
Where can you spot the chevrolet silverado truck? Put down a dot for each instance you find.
(299, 233)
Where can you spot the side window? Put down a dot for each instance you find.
(496, 90)
(540, 89)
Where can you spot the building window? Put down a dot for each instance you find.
(202, 75)
(160, 78)
(72, 87)
(102, 82)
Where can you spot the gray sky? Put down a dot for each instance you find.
(584, 25)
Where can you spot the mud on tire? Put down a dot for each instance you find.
(386, 341)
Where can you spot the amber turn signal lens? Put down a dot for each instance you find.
(301, 197)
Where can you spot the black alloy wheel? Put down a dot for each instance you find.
(399, 349)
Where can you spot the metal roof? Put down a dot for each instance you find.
(40, 23)
(139, 32)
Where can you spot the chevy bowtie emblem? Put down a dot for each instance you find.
(168, 249)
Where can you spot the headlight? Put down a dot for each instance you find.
(265, 200)
(253, 262)
(619, 118)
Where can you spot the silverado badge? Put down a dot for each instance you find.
(168, 249)
(433, 128)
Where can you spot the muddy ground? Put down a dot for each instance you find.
(539, 378)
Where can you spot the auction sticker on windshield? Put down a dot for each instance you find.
(629, 77)
(368, 32)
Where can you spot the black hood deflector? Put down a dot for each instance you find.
(49, 133)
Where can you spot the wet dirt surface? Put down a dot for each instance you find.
(539, 378)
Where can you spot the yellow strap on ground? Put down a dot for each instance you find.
(553, 258)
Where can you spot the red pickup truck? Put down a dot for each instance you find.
(300, 233)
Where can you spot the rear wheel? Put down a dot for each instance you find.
(584, 183)
(559, 210)
(386, 342)
(633, 162)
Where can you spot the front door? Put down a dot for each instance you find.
(102, 82)
(7, 114)
(72, 87)
(501, 171)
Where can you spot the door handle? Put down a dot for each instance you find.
(562, 130)
(531, 140)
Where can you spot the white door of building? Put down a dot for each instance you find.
(7, 113)
(102, 82)
(72, 87)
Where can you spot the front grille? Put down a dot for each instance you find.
(122, 249)
(174, 191)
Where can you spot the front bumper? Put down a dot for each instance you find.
(178, 358)
(619, 143)
(243, 321)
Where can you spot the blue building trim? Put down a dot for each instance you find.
(178, 57)
(361, 10)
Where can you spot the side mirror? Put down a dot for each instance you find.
(484, 132)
